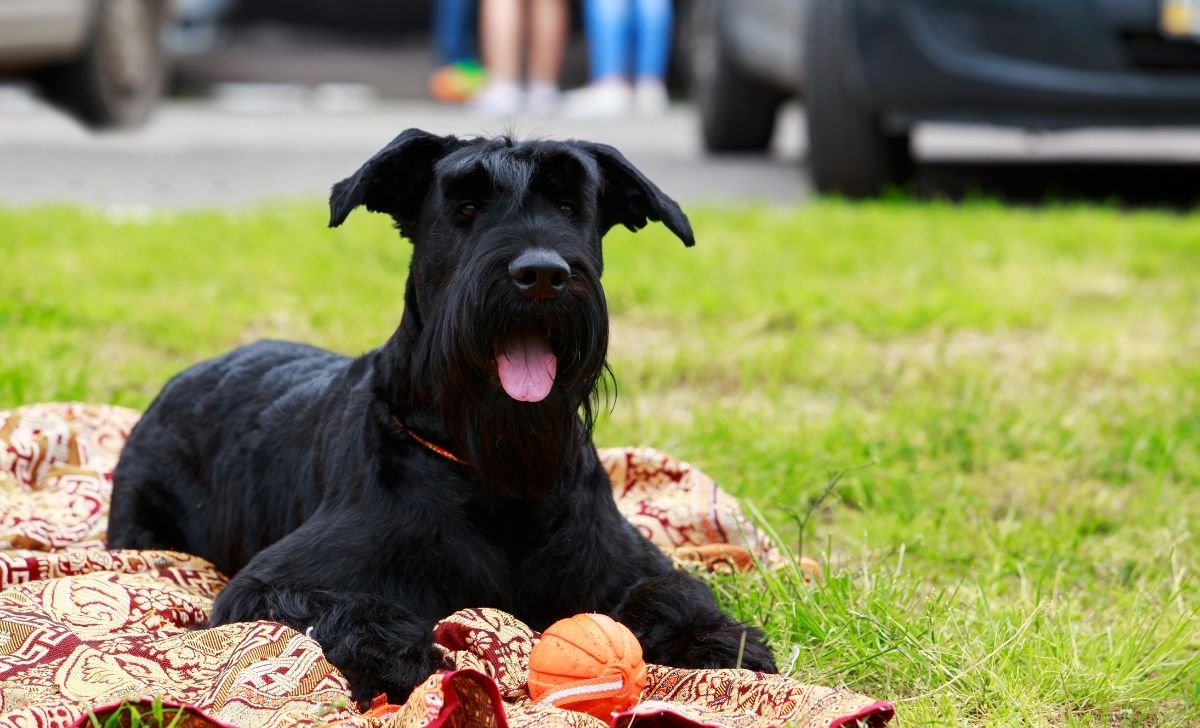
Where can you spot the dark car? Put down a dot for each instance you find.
(870, 70)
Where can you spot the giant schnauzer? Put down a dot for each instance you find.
(362, 499)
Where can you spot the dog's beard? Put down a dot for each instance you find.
(517, 386)
(520, 450)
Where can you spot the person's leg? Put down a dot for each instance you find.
(652, 38)
(607, 26)
(500, 37)
(470, 29)
(454, 31)
(608, 32)
(458, 75)
(652, 31)
(548, 39)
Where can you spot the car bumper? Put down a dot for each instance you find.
(1027, 62)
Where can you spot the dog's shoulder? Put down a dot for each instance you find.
(260, 359)
(254, 377)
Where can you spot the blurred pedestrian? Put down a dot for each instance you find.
(504, 26)
(459, 76)
(628, 44)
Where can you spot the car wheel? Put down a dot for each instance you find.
(120, 73)
(737, 112)
(849, 151)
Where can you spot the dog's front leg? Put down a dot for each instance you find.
(676, 618)
(378, 645)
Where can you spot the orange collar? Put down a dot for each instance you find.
(427, 444)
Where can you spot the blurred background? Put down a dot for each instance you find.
(204, 102)
(982, 417)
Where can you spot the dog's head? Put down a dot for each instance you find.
(506, 328)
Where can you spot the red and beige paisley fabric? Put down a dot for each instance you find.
(83, 628)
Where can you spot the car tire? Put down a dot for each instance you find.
(849, 150)
(737, 112)
(118, 77)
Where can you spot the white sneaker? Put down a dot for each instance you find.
(600, 100)
(543, 98)
(499, 98)
(650, 97)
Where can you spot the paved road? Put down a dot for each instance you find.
(206, 153)
(240, 149)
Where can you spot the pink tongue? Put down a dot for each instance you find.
(527, 367)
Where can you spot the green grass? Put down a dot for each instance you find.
(1009, 398)
(145, 715)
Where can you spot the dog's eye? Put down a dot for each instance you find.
(567, 209)
(468, 209)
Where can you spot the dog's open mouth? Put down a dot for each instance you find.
(526, 365)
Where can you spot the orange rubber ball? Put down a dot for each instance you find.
(590, 663)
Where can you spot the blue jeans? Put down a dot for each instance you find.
(455, 24)
(623, 31)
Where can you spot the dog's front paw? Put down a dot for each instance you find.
(735, 645)
(757, 655)
(724, 646)
(678, 623)
(371, 673)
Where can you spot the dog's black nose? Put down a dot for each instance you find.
(540, 274)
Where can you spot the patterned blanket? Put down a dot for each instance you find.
(83, 628)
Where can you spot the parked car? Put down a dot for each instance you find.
(869, 71)
(102, 61)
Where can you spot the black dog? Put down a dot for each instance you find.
(364, 499)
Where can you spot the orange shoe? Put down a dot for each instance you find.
(456, 83)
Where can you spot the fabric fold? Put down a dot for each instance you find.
(83, 628)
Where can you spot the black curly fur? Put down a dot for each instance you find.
(294, 468)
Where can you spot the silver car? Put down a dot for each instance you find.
(102, 61)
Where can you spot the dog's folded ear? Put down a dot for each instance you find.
(394, 181)
(628, 198)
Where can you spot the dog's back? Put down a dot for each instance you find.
(216, 441)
